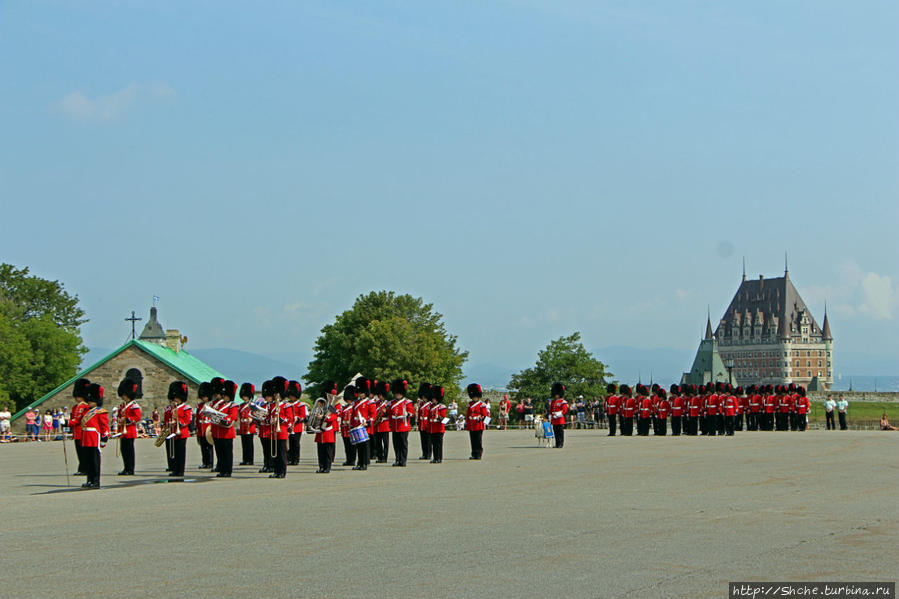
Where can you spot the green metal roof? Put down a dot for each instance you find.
(192, 368)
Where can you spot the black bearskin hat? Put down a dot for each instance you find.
(247, 390)
(801, 390)
(205, 390)
(279, 386)
(218, 384)
(436, 393)
(424, 389)
(625, 390)
(229, 389)
(329, 388)
(95, 394)
(474, 390)
(294, 389)
(79, 389)
(127, 388)
(674, 389)
(661, 393)
(655, 387)
(399, 386)
(266, 388)
(363, 385)
(557, 389)
(382, 388)
(178, 390)
(611, 388)
(349, 393)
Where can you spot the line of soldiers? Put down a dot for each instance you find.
(711, 409)
(370, 415)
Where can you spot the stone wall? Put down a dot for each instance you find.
(851, 396)
(157, 377)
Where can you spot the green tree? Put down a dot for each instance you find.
(384, 336)
(564, 360)
(40, 340)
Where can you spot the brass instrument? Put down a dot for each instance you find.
(215, 416)
(160, 438)
(258, 413)
(276, 416)
(381, 413)
(320, 409)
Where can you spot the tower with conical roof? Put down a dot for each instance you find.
(771, 335)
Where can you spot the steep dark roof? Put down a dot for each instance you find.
(826, 335)
(774, 304)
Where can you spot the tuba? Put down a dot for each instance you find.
(321, 408)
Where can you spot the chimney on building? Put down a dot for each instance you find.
(173, 340)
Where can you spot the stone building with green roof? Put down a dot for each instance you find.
(154, 360)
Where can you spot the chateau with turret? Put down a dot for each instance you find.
(768, 336)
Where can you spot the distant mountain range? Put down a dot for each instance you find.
(662, 365)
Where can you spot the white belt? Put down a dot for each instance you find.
(90, 430)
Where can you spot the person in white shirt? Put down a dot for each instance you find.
(829, 407)
(4, 425)
(842, 405)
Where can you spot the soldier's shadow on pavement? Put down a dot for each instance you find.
(120, 485)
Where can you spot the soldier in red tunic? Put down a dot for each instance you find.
(207, 453)
(79, 392)
(247, 426)
(729, 410)
(381, 425)
(802, 408)
(223, 433)
(612, 401)
(678, 405)
(401, 411)
(179, 422)
(424, 390)
(358, 418)
(663, 408)
(753, 415)
(129, 416)
(475, 418)
(94, 434)
(627, 409)
(644, 411)
(325, 442)
(345, 411)
(299, 411)
(279, 416)
(558, 408)
(264, 430)
(436, 415)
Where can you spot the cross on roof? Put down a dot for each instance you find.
(133, 320)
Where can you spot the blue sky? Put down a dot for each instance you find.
(531, 168)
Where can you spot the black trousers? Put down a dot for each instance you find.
(293, 448)
(79, 454)
(780, 421)
(477, 443)
(350, 450)
(711, 426)
(843, 426)
(559, 434)
(750, 421)
(382, 445)
(627, 426)
(662, 426)
(180, 451)
(207, 454)
(437, 447)
(425, 444)
(612, 418)
(224, 449)
(267, 447)
(738, 423)
(643, 426)
(363, 458)
(325, 456)
(794, 421)
(729, 423)
(170, 454)
(92, 464)
(246, 446)
(722, 428)
(675, 426)
(401, 447)
(831, 425)
(279, 462)
(800, 422)
(127, 450)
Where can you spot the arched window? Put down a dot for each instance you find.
(135, 375)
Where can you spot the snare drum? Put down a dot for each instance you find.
(358, 435)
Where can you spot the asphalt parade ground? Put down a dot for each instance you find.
(603, 517)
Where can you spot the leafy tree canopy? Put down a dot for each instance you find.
(40, 340)
(564, 360)
(384, 336)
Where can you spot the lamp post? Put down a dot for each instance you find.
(729, 364)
